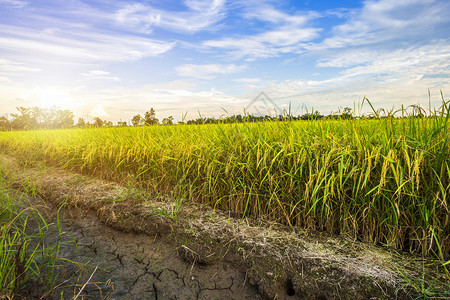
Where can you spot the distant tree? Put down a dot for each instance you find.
(81, 122)
(347, 113)
(4, 123)
(63, 119)
(24, 119)
(40, 116)
(311, 116)
(150, 117)
(98, 122)
(168, 121)
(36, 117)
(108, 123)
(211, 121)
(137, 120)
(121, 123)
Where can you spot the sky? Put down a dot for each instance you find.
(116, 59)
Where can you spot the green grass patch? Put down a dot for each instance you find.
(28, 262)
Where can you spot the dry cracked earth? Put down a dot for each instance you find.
(135, 266)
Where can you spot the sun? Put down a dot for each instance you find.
(50, 96)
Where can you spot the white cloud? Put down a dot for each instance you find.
(207, 71)
(401, 84)
(328, 95)
(99, 74)
(79, 46)
(16, 93)
(412, 62)
(8, 66)
(172, 85)
(138, 16)
(124, 102)
(386, 21)
(286, 34)
(98, 111)
(390, 51)
(350, 57)
(4, 79)
(267, 13)
(248, 80)
(14, 3)
(267, 44)
(201, 15)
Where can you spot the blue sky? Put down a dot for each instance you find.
(115, 59)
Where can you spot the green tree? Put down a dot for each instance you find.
(81, 122)
(36, 117)
(63, 119)
(4, 123)
(24, 119)
(39, 116)
(150, 117)
(98, 122)
(168, 121)
(347, 113)
(137, 120)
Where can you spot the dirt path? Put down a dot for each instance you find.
(137, 266)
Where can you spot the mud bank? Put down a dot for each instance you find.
(147, 247)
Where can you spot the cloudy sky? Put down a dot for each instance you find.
(115, 59)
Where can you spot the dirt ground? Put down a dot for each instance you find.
(135, 266)
(141, 247)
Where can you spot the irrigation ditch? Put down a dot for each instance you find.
(137, 246)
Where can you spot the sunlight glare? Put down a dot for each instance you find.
(50, 96)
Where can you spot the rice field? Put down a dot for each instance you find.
(384, 180)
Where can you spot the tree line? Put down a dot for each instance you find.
(345, 114)
(37, 118)
(54, 118)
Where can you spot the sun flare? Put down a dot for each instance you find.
(50, 96)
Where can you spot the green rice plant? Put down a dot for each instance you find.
(26, 257)
(426, 286)
(13, 260)
(383, 178)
